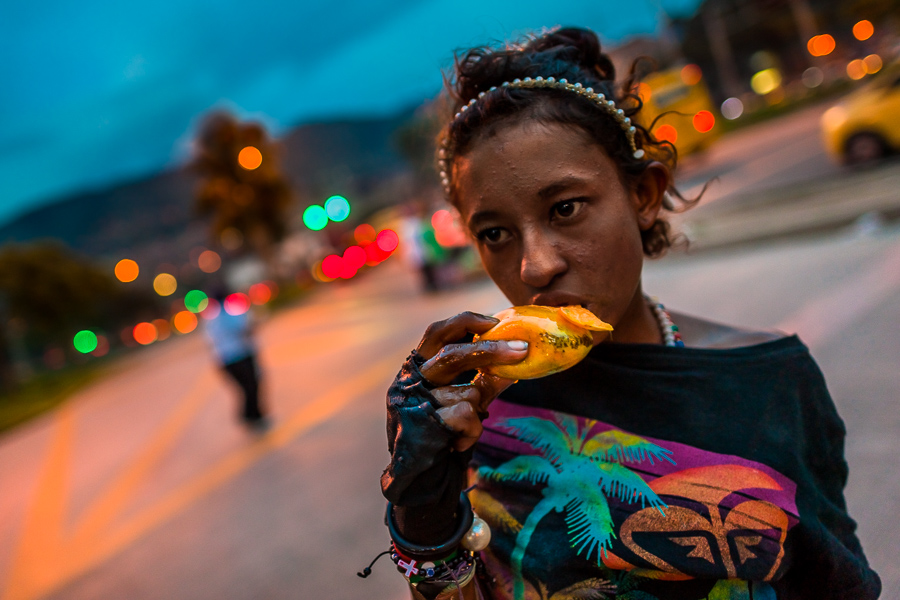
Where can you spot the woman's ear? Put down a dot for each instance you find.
(649, 194)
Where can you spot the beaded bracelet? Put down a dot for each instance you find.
(448, 570)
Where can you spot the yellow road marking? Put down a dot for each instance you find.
(40, 547)
(46, 560)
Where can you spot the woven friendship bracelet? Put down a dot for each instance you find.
(600, 100)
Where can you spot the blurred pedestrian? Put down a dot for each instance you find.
(231, 338)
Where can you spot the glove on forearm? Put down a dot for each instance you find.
(425, 476)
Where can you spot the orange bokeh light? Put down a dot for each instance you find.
(863, 30)
(820, 45)
(666, 133)
(691, 74)
(127, 270)
(856, 69)
(144, 333)
(259, 293)
(704, 121)
(873, 63)
(184, 321)
(250, 158)
(644, 92)
(364, 233)
(163, 331)
(209, 261)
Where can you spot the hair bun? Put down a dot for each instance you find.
(578, 46)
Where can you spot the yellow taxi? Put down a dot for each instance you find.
(678, 104)
(865, 126)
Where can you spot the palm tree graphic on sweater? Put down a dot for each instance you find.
(580, 471)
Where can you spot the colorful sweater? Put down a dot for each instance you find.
(655, 473)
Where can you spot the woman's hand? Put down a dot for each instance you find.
(463, 405)
(431, 423)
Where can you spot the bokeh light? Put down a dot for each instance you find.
(813, 77)
(196, 301)
(102, 348)
(364, 234)
(820, 45)
(250, 158)
(184, 321)
(337, 208)
(212, 310)
(856, 69)
(354, 257)
(318, 274)
(209, 261)
(873, 63)
(332, 265)
(644, 92)
(863, 30)
(766, 81)
(447, 231)
(375, 255)
(162, 329)
(732, 108)
(691, 74)
(259, 293)
(165, 284)
(387, 240)
(704, 121)
(85, 341)
(666, 133)
(315, 217)
(144, 333)
(236, 304)
(127, 270)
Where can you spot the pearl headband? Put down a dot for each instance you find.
(600, 100)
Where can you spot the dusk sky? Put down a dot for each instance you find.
(96, 92)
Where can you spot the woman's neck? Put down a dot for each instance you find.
(638, 325)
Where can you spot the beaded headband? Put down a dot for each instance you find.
(539, 82)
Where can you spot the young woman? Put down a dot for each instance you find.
(682, 459)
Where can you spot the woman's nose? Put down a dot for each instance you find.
(542, 262)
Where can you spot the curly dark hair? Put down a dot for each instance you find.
(573, 54)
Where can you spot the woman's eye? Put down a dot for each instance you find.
(566, 208)
(493, 235)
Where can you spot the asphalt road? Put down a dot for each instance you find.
(144, 487)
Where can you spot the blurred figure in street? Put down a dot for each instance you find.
(419, 252)
(231, 338)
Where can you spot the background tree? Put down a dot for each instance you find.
(242, 187)
(52, 294)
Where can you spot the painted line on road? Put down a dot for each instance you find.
(38, 576)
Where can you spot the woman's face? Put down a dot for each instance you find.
(554, 223)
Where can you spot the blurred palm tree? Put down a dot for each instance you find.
(242, 187)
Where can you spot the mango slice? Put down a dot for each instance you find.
(558, 338)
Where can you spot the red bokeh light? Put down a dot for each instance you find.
(704, 121)
(364, 233)
(236, 304)
(144, 333)
(348, 271)
(102, 346)
(387, 240)
(332, 266)
(259, 293)
(354, 257)
(375, 255)
(666, 133)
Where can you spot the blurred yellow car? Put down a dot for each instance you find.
(865, 125)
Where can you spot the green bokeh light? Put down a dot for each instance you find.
(337, 208)
(315, 217)
(85, 341)
(196, 301)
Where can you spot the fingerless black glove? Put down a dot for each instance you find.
(425, 475)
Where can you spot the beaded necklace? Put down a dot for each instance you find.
(667, 328)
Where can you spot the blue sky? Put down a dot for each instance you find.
(101, 91)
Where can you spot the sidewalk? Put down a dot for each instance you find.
(868, 196)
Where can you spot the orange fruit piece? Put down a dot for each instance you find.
(558, 338)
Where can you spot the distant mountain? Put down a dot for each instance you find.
(320, 159)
